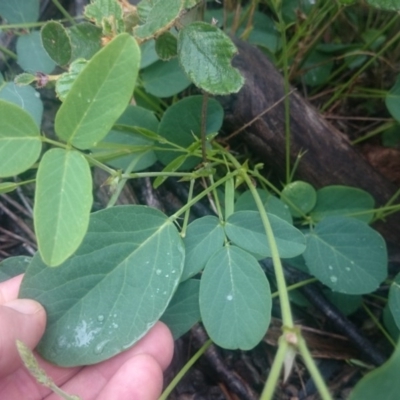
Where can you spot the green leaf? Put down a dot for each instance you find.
(25, 97)
(67, 79)
(63, 200)
(235, 299)
(204, 236)
(394, 299)
(32, 57)
(24, 79)
(133, 116)
(272, 204)
(302, 195)
(317, 67)
(184, 131)
(100, 94)
(173, 166)
(246, 230)
(205, 53)
(346, 255)
(389, 323)
(381, 383)
(20, 11)
(393, 100)
(56, 42)
(85, 40)
(343, 201)
(164, 78)
(13, 266)
(20, 143)
(166, 46)
(391, 136)
(393, 5)
(107, 14)
(112, 290)
(346, 303)
(183, 311)
(159, 18)
(149, 55)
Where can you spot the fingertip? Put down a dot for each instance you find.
(140, 377)
(21, 319)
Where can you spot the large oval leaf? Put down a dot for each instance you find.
(382, 383)
(271, 203)
(394, 300)
(26, 97)
(183, 311)
(345, 201)
(20, 11)
(112, 290)
(246, 230)
(181, 123)
(205, 53)
(100, 94)
(137, 160)
(160, 16)
(32, 57)
(204, 236)
(235, 299)
(20, 143)
(346, 255)
(63, 200)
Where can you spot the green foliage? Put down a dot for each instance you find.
(183, 311)
(56, 42)
(164, 78)
(386, 4)
(203, 238)
(205, 53)
(246, 230)
(301, 197)
(123, 268)
(383, 381)
(112, 290)
(13, 266)
(181, 133)
(20, 144)
(32, 57)
(346, 255)
(87, 114)
(20, 11)
(342, 200)
(26, 97)
(63, 200)
(235, 299)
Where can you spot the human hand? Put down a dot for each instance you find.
(134, 374)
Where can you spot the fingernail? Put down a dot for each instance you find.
(24, 306)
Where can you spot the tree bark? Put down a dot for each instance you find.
(329, 157)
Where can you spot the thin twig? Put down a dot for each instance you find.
(257, 117)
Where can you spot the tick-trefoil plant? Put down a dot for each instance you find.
(105, 278)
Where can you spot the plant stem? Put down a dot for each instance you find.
(184, 370)
(275, 371)
(313, 370)
(197, 198)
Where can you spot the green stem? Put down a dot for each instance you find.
(184, 370)
(187, 214)
(287, 317)
(313, 370)
(202, 194)
(273, 376)
(379, 325)
(64, 12)
(359, 72)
